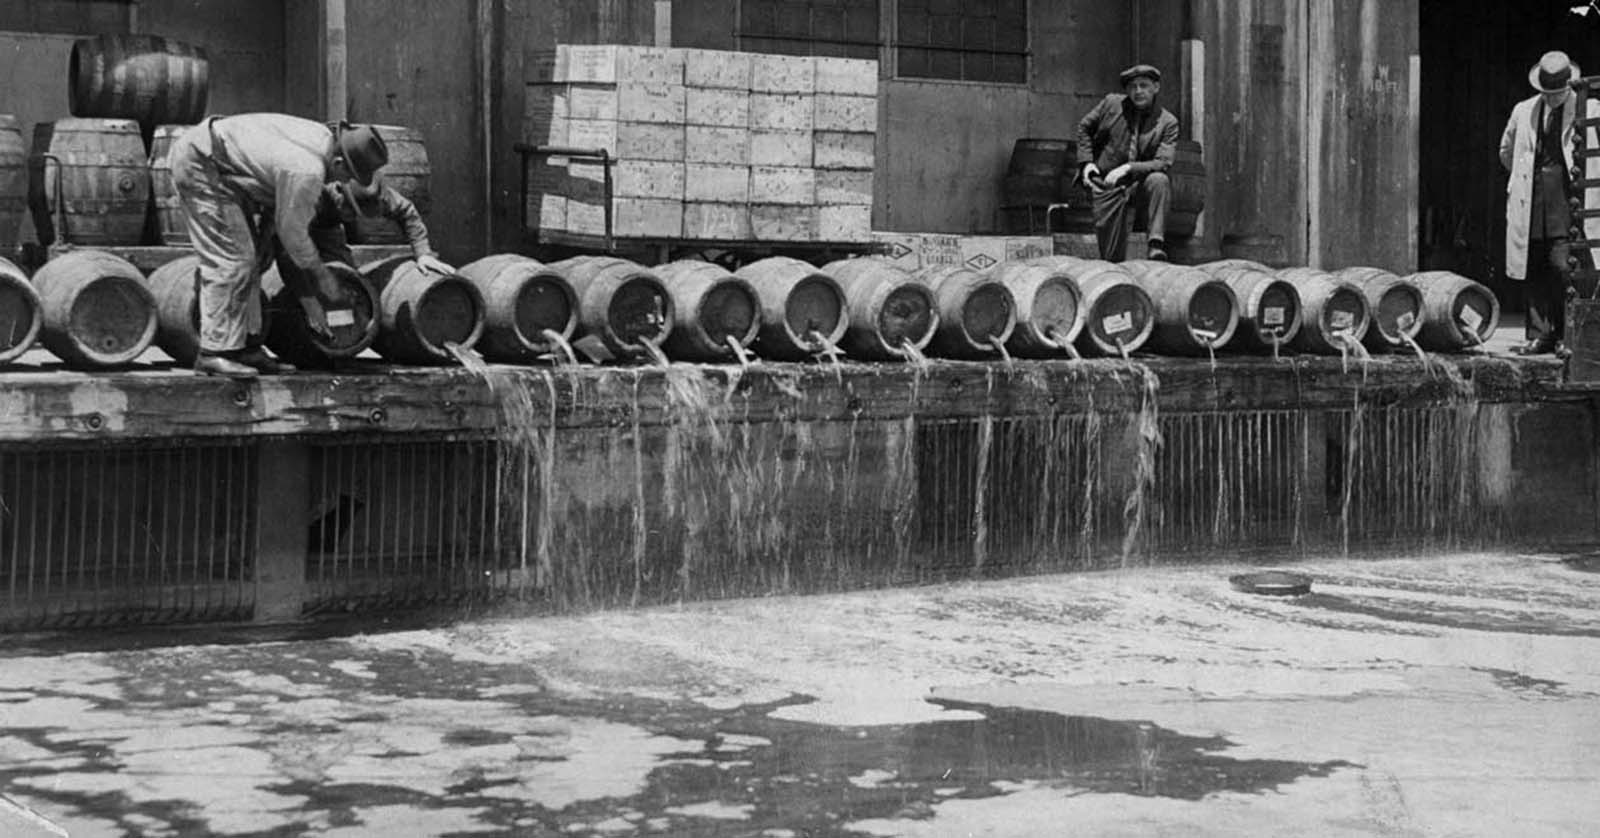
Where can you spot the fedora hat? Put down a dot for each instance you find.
(363, 150)
(1553, 72)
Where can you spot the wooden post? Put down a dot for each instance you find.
(283, 516)
(487, 113)
(335, 78)
(1313, 477)
(663, 23)
(1194, 109)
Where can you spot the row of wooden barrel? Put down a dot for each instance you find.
(91, 182)
(94, 309)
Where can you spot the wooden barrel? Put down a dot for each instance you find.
(1457, 313)
(291, 339)
(171, 224)
(145, 78)
(421, 312)
(408, 173)
(96, 173)
(1395, 305)
(176, 288)
(796, 300)
(1331, 307)
(710, 305)
(623, 304)
(1262, 248)
(1188, 176)
(1050, 311)
(977, 313)
(96, 309)
(1269, 308)
(1195, 312)
(522, 299)
(20, 315)
(13, 181)
(1117, 314)
(887, 309)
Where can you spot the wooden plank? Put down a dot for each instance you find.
(369, 398)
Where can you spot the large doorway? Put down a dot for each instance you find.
(1475, 60)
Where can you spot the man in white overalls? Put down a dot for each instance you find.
(241, 179)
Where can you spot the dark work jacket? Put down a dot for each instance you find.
(1107, 137)
(337, 212)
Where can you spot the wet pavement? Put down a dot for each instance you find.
(1451, 695)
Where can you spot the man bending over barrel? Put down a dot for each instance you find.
(344, 203)
(1125, 146)
(241, 178)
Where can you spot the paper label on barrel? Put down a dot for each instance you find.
(342, 317)
(1118, 323)
(1272, 316)
(1471, 317)
(1343, 320)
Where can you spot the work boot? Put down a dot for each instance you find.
(255, 356)
(221, 365)
(1158, 251)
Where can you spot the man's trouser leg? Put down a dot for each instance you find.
(229, 300)
(1155, 194)
(1112, 222)
(1546, 289)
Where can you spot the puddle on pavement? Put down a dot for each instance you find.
(446, 737)
(1439, 614)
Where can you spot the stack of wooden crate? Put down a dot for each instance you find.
(707, 144)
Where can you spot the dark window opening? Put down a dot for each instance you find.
(965, 40)
(830, 28)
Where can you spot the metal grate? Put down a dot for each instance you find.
(400, 523)
(126, 534)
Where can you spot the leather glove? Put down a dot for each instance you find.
(435, 265)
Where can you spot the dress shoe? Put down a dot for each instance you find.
(255, 356)
(222, 366)
(1158, 251)
(1542, 346)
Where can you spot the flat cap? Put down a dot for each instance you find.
(1141, 70)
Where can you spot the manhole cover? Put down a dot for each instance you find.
(1272, 583)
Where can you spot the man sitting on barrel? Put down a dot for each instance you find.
(1125, 146)
(230, 173)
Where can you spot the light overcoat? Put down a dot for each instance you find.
(1516, 154)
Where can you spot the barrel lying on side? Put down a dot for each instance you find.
(1050, 311)
(977, 313)
(1195, 313)
(524, 303)
(1118, 316)
(1269, 308)
(96, 309)
(1336, 311)
(712, 311)
(422, 313)
(620, 303)
(171, 224)
(175, 287)
(353, 328)
(146, 78)
(802, 308)
(1395, 306)
(20, 316)
(1457, 313)
(888, 309)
